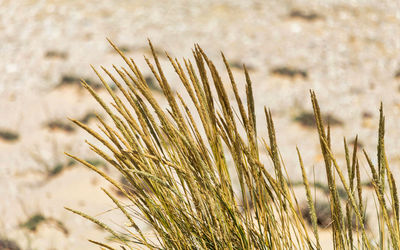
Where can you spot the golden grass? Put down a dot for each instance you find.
(192, 203)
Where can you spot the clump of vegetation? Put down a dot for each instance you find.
(366, 115)
(360, 145)
(51, 170)
(307, 119)
(56, 54)
(38, 219)
(66, 126)
(7, 244)
(304, 15)
(324, 215)
(324, 188)
(60, 125)
(88, 117)
(149, 79)
(8, 135)
(57, 168)
(289, 72)
(322, 212)
(33, 222)
(239, 65)
(397, 74)
(155, 50)
(193, 202)
(123, 49)
(73, 80)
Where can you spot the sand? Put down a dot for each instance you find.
(347, 51)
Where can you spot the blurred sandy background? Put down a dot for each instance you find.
(347, 51)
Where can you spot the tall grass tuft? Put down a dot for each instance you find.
(191, 201)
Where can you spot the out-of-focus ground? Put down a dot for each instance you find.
(347, 51)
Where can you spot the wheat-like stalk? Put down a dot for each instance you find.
(181, 182)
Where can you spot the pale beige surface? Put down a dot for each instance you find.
(350, 52)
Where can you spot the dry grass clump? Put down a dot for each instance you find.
(307, 119)
(36, 220)
(60, 125)
(65, 126)
(74, 81)
(304, 15)
(289, 72)
(149, 79)
(89, 116)
(49, 169)
(7, 244)
(8, 135)
(33, 222)
(56, 54)
(322, 211)
(191, 202)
